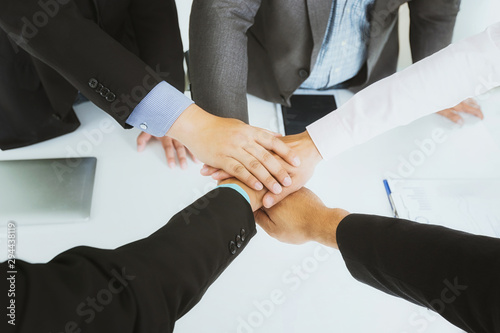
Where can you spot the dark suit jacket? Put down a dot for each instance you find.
(147, 285)
(141, 287)
(113, 51)
(268, 48)
(453, 273)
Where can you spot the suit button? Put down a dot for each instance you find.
(93, 83)
(104, 92)
(243, 235)
(303, 73)
(238, 241)
(110, 97)
(232, 247)
(99, 88)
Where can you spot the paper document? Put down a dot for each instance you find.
(468, 205)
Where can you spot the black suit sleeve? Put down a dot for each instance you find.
(144, 286)
(79, 50)
(453, 273)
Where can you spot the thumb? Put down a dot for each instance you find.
(142, 140)
(262, 219)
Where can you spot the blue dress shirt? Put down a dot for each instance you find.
(158, 111)
(344, 47)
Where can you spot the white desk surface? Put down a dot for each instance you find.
(136, 193)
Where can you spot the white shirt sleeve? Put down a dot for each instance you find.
(462, 70)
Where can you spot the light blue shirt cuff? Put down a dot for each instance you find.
(238, 189)
(158, 111)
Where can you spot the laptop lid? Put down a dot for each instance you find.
(47, 190)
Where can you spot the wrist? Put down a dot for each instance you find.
(312, 150)
(189, 123)
(255, 196)
(327, 226)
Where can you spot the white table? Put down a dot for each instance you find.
(136, 193)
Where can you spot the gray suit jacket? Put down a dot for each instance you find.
(268, 47)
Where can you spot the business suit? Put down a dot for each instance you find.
(155, 281)
(141, 287)
(453, 273)
(268, 48)
(113, 52)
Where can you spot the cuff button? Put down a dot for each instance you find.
(232, 247)
(93, 83)
(239, 242)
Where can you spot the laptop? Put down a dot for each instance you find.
(47, 190)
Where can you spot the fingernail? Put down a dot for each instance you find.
(184, 166)
(287, 181)
(460, 122)
(214, 176)
(296, 161)
(204, 170)
(269, 202)
(276, 188)
(171, 165)
(140, 148)
(259, 186)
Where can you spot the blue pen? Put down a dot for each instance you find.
(391, 201)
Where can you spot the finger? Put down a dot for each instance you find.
(271, 165)
(168, 146)
(277, 135)
(256, 168)
(181, 154)
(470, 109)
(262, 219)
(208, 170)
(271, 199)
(221, 175)
(238, 170)
(142, 141)
(195, 160)
(451, 115)
(271, 142)
(472, 102)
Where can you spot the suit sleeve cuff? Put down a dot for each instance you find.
(237, 189)
(158, 111)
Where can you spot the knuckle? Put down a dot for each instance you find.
(238, 168)
(254, 164)
(270, 180)
(266, 157)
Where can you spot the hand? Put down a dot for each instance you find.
(468, 106)
(170, 146)
(235, 147)
(300, 218)
(303, 145)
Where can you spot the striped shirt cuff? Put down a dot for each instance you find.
(158, 111)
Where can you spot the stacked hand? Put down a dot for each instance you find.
(299, 218)
(240, 150)
(304, 147)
